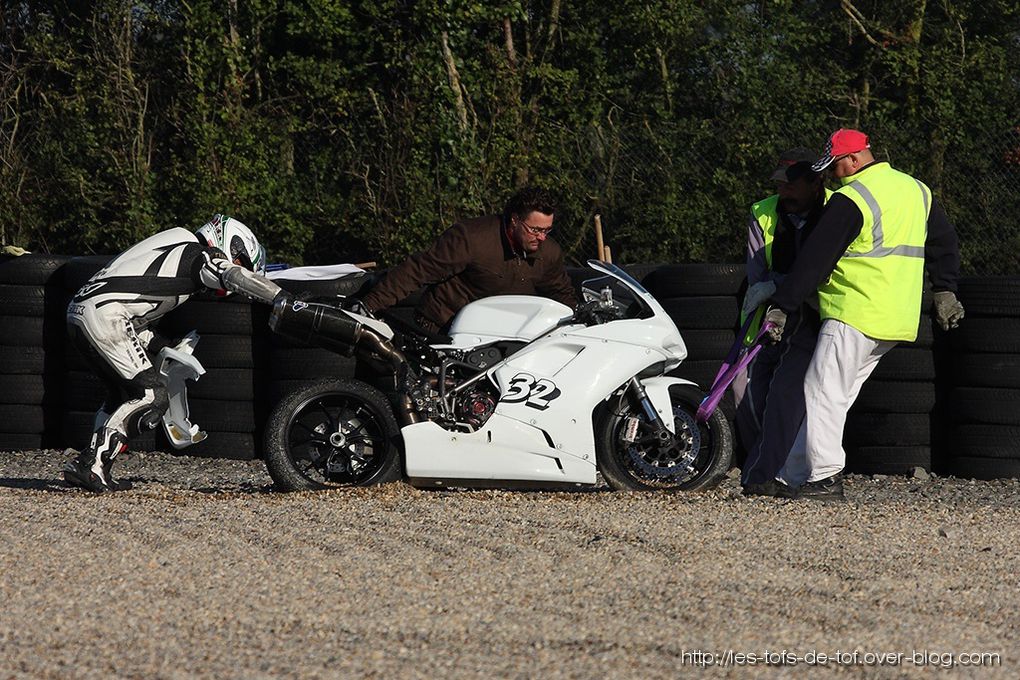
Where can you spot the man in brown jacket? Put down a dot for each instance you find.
(508, 254)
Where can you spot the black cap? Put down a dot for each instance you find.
(793, 164)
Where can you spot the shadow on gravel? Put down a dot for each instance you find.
(239, 489)
(56, 485)
(34, 484)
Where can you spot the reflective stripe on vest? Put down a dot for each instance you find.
(876, 285)
(877, 235)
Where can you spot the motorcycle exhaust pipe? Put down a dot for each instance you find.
(316, 324)
(325, 326)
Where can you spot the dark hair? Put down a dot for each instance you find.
(528, 200)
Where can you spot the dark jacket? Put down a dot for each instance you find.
(471, 260)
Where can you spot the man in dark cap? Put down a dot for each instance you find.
(770, 408)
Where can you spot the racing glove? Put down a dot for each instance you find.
(756, 295)
(948, 310)
(778, 319)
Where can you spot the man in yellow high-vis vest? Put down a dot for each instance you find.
(866, 260)
(778, 228)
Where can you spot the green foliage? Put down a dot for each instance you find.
(358, 130)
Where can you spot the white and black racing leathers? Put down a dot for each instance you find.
(109, 318)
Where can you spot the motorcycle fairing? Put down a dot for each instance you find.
(504, 317)
(538, 438)
(503, 449)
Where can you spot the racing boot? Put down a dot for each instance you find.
(93, 469)
(78, 472)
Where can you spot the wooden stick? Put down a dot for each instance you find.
(366, 265)
(609, 255)
(599, 244)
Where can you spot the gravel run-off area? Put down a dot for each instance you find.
(202, 570)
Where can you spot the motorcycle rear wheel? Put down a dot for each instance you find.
(642, 465)
(332, 433)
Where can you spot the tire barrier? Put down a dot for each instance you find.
(695, 280)
(31, 344)
(291, 362)
(979, 375)
(949, 402)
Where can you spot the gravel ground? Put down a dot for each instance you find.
(202, 571)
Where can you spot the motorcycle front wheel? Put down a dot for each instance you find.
(332, 433)
(630, 457)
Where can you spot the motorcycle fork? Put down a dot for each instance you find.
(659, 429)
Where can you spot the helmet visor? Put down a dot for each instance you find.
(239, 253)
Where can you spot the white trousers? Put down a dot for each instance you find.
(843, 359)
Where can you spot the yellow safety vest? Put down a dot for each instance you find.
(766, 213)
(876, 285)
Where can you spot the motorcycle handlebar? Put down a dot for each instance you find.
(596, 312)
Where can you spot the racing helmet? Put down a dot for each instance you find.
(236, 241)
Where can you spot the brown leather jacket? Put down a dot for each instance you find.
(471, 260)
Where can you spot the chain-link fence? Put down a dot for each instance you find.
(669, 193)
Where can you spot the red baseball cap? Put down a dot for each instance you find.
(841, 143)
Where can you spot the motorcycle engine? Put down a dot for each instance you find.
(476, 405)
(451, 368)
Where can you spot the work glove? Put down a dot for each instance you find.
(756, 295)
(948, 310)
(778, 319)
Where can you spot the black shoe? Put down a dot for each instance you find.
(772, 488)
(77, 473)
(828, 489)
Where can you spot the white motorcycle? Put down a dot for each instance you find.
(524, 392)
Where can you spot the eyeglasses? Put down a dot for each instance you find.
(535, 231)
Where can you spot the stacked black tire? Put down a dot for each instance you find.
(31, 345)
(954, 409)
(227, 402)
(980, 405)
(292, 363)
(889, 427)
(703, 301)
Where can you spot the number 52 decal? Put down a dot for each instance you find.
(535, 392)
